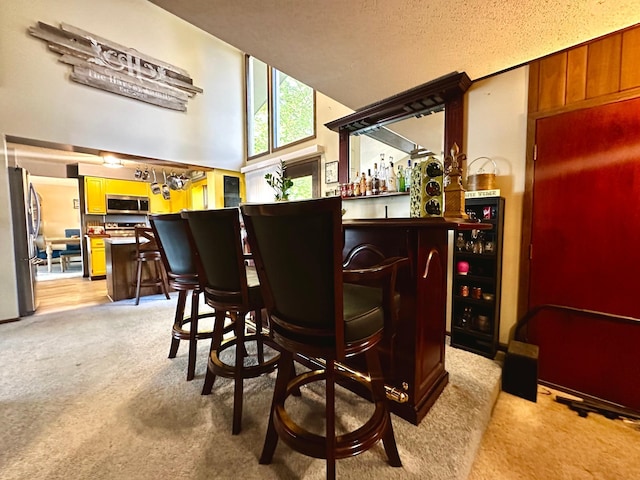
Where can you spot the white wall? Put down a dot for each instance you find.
(496, 126)
(38, 101)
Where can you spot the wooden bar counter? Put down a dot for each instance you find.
(414, 360)
(121, 269)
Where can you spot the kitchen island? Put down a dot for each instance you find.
(121, 269)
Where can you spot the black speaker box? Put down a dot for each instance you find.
(520, 371)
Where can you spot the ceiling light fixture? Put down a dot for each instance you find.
(111, 161)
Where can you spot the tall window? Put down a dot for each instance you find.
(281, 111)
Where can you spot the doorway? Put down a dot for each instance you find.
(60, 217)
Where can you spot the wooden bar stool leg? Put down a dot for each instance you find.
(238, 374)
(193, 336)
(330, 407)
(259, 343)
(138, 281)
(279, 396)
(177, 323)
(216, 341)
(377, 389)
(161, 278)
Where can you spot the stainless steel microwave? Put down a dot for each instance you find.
(127, 204)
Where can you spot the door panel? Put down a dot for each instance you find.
(586, 243)
(586, 214)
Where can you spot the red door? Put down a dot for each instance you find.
(586, 249)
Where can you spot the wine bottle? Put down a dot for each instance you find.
(392, 179)
(407, 176)
(375, 181)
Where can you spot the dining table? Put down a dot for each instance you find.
(51, 241)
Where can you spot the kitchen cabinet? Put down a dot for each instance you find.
(198, 193)
(94, 191)
(97, 257)
(158, 205)
(477, 269)
(177, 202)
(126, 187)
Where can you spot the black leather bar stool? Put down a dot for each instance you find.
(147, 254)
(232, 287)
(314, 312)
(171, 233)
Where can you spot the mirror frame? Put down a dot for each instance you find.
(444, 93)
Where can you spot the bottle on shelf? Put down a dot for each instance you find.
(392, 179)
(375, 180)
(407, 176)
(382, 174)
(368, 190)
(401, 180)
(356, 185)
(363, 184)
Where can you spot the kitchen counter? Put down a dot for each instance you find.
(121, 240)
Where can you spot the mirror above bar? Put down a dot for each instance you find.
(395, 123)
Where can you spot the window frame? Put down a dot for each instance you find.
(271, 72)
(304, 168)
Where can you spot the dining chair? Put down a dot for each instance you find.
(314, 312)
(171, 233)
(147, 253)
(230, 286)
(71, 249)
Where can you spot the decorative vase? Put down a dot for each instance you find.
(463, 268)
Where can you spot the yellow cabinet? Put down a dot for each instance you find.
(158, 205)
(94, 195)
(126, 187)
(198, 194)
(177, 202)
(97, 257)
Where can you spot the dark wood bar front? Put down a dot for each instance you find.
(414, 359)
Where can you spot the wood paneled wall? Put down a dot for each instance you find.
(608, 66)
(594, 73)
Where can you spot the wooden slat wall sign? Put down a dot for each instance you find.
(103, 64)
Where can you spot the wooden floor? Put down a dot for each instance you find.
(70, 293)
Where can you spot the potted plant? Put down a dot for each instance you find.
(280, 183)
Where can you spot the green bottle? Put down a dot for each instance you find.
(401, 185)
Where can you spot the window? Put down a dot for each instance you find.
(306, 179)
(281, 111)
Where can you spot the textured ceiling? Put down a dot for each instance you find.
(360, 51)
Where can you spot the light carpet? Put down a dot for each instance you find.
(90, 394)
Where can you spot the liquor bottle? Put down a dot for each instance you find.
(407, 177)
(368, 190)
(356, 185)
(401, 185)
(375, 180)
(392, 179)
(363, 184)
(382, 174)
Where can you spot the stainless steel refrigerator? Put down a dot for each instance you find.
(25, 212)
